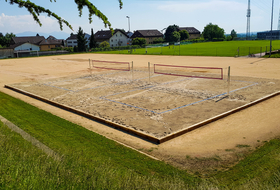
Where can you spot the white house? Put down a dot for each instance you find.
(27, 47)
(119, 38)
(72, 40)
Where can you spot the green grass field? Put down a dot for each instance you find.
(223, 49)
(90, 161)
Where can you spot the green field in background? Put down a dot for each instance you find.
(223, 49)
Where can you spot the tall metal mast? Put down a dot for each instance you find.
(271, 28)
(248, 21)
(279, 22)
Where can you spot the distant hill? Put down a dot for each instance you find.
(57, 35)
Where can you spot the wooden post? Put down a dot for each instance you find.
(228, 80)
(149, 72)
(132, 74)
(90, 68)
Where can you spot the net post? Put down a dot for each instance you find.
(228, 80)
(90, 68)
(149, 67)
(132, 74)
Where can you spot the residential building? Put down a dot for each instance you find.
(193, 32)
(117, 39)
(72, 41)
(26, 43)
(34, 43)
(267, 35)
(51, 43)
(149, 35)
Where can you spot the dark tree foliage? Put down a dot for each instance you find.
(233, 34)
(184, 35)
(35, 11)
(139, 41)
(158, 40)
(169, 31)
(212, 31)
(175, 36)
(5, 40)
(81, 40)
(92, 42)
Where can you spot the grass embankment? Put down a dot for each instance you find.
(90, 161)
(223, 49)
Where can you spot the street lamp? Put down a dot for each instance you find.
(128, 23)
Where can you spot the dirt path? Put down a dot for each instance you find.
(248, 127)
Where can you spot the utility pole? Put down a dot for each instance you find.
(279, 21)
(271, 28)
(128, 23)
(248, 21)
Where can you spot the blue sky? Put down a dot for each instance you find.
(144, 14)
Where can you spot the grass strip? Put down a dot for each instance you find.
(89, 154)
(90, 161)
(259, 170)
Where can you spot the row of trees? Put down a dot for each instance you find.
(6, 39)
(211, 32)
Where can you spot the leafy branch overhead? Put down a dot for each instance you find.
(35, 11)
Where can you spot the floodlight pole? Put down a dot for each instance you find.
(128, 23)
(271, 28)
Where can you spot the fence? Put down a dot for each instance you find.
(6, 53)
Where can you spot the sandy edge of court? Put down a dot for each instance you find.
(251, 126)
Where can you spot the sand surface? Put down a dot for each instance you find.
(251, 126)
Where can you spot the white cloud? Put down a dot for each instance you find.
(22, 23)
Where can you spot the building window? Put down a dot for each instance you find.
(75, 42)
(121, 35)
(116, 35)
(112, 40)
(69, 42)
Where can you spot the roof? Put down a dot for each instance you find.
(147, 33)
(29, 39)
(122, 31)
(107, 34)
(51, 42)
(190, 30)
(72, 37)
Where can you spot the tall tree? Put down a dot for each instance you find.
(175, 36)
(139, 41)
(35, 11)
(6, 40)
(212, 31)
(184, 35)
(92, 42)
(169, 31)
(233, 34)
(81, 40)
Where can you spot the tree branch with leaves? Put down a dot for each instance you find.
(36, 10)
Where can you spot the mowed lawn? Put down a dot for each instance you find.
(90, 161)
(223, 49)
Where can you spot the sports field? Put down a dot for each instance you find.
(156, 104)
(222, 49)
(250, 126)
